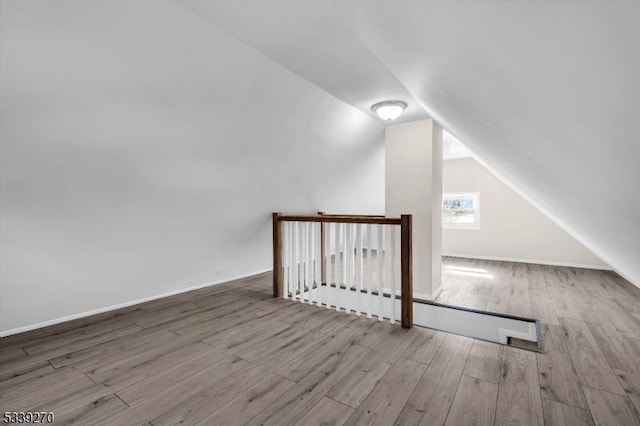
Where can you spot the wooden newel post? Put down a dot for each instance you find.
(323, 252)
(277, 256)
(406, 257)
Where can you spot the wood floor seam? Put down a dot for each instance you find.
(338, 402)
(564, 403)
(475, 378)
(89, 377)
(604, 390)
(457, 386)
(124, 402)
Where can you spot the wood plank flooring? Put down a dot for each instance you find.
(589, 371)
(231, 354)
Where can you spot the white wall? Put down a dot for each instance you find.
(511, 228)
(413, 185)
(143, 150)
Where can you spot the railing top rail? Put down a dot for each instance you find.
(358, 215)
(379, 220)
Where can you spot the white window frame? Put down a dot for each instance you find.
(476, 225)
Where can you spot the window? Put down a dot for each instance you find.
(461, 211)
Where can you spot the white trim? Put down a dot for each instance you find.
(535, 262)
(625, 278)
(5, 333)
(430, 297)
(437, 292)
(506, 333)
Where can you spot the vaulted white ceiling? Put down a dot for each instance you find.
(545, 93)
(308, 38)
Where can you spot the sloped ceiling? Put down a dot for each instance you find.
(547, 94)
(308, 38)
(452, 148)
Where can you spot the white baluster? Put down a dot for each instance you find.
(327, 289)
(300, 257)
(285, 258)
(303, 260)
(318, 262)
(294, 260)
(339, 265)
(310, 254)
(358, 269)
(393, 274)
(344, 266)
(379, 254)
(290, 248)
(369, 279)
(349, 269)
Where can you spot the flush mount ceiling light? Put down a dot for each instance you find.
(389, 110)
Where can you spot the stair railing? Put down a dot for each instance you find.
(358, 264)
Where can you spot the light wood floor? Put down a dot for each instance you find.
(231, 354)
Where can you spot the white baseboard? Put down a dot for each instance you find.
(535, 262)
(624, 277)
(430, 297)
(437, 292)
(5, 333)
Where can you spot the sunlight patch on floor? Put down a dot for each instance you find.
(470, 272)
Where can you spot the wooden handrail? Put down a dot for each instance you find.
(357, 215)
(378, 220)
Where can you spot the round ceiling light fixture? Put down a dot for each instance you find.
(389, 110)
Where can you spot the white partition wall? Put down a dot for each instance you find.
(413, 185)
